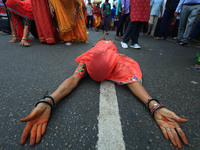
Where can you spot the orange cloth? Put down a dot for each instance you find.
(97, 20)
(103, 62)
(97, 16)
(71, 27)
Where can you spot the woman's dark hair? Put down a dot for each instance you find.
(107, 1)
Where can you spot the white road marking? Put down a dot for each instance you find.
(110, 136)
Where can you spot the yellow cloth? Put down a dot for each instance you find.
(97, 20)
(71, 23)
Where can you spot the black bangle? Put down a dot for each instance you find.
(149, 100)
(43, 101)
(47, 96)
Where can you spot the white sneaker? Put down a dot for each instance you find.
(124, 45)
(136, 46)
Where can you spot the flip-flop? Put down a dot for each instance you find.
(197, 69)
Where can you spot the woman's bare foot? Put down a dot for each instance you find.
(87, 42)
(14, 39)
(24, 43)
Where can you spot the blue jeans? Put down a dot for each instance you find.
(106, 23)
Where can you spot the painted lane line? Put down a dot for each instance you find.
(110, 136)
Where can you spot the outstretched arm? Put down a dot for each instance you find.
(38, 118)
(66, 87)
(166, 119)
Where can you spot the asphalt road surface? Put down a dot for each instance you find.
(102, 116)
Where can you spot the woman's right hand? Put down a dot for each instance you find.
(37, 119)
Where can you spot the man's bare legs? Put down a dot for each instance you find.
(25, 36)
(14, 34)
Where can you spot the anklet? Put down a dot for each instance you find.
(24, 39)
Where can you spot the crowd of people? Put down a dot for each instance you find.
(157, 18)
(55, 21)
(68, 21)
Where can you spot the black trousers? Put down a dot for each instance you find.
(88, 21)
(121, 24)
(132, 32)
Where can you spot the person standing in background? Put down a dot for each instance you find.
(46, 27)
(89, 14)
(72, 25)
(139, 13)
(113, 10)
(18, 11)
(118, 16)
(167, 19)
(156, 12)
(189, 12)
(125, 6)
(106, 11)
(97, 16)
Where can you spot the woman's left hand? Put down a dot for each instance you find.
(168, 123)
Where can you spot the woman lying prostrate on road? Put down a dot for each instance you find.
(114, 67)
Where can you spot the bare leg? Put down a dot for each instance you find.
(138, 90)
(87, 42)
(25, 36)
(14, 34)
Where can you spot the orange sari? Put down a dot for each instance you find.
(71, 27)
